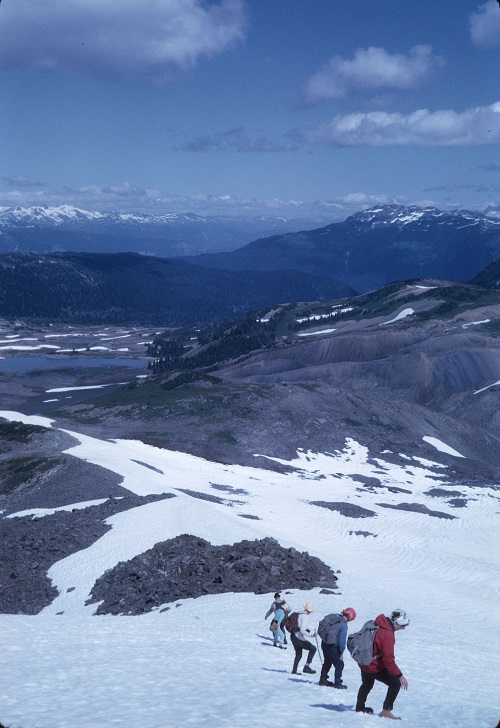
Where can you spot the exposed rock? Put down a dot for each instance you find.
(458, 502)
(188, 567)
(416, 508)
(211, 498)
(31, 545)
(441, 492)
(345, 509)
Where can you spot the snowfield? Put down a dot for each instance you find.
(209, 661)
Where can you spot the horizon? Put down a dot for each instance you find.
(238, 108)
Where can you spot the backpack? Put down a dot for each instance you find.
(328, 628)
(360, 644)
(292, 622)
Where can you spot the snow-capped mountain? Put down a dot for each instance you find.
(377, 246)
(44, 229)
(69, 215)
(400, 216)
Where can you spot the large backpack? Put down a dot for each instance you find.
(360, 644)
(292, 622)
(328, 628)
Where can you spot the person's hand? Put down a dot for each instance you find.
(342, 656)
(404, 682)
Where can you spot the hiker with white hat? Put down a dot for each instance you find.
(300, 640)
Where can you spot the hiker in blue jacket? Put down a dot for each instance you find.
(333, 654)
(278, 634)
(277, 604)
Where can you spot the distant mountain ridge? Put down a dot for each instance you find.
(131, 288)
(377, 246)
(45, 229)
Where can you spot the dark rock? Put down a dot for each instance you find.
(46, 540)
(416, 508)
(441, 493)
(349, 510)
(188, 566)
(211, 498)
(458, 502)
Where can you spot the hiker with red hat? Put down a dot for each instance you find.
(333, 632)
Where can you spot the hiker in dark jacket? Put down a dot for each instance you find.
(383, 667)
(334, 654)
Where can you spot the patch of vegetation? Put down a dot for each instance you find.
(353, 423)
(453, 300)
(215, 344)
(20, 470)
(18, 431)
(225, 437)
(492, 327)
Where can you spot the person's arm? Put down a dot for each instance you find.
(269, 611)
(386, 649)
(304, 632)
(342, 636)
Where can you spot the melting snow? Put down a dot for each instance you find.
(441, 446)
(402, 314)
(210, 662)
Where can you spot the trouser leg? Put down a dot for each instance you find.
(311, 650)
(367, 682)
(327, 660)
(338, 663)
(297, 645)
(283, 629)
(393, 688)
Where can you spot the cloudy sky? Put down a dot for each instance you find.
(260, 106)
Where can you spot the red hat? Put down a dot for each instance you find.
(349, 613)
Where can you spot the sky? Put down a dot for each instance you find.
(249, 106)
(208, 661)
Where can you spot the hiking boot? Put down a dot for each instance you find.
(294, 672)
(388, 714)
(308, 669)
(340, 686)
(364, 710)
(326, 683)
(281, 647)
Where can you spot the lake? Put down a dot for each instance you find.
(24, 364)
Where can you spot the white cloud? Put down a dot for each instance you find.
(371, 70)
(484, 25)
(423, 128)
(116, 38)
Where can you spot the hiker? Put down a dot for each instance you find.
(300, 641)
(383, 666)
(333, 651)
(277, 629)
(277, 604)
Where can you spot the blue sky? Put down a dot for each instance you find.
(250, 106)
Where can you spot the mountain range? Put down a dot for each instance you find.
(44, 229)
(377, 246)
